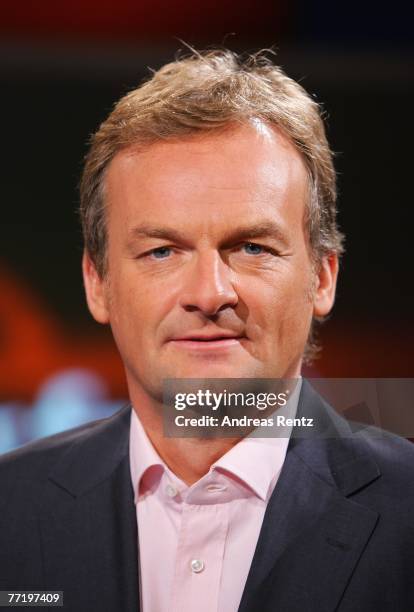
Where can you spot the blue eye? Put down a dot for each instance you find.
(253, 249)
(161, 252)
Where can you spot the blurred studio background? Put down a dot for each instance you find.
(63, 65)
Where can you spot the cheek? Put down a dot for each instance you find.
(278, 306)
(126, 305)
(137, 309)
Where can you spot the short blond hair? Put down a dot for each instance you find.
(211, 91)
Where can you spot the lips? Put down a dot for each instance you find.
(214, 337)
(207, 341)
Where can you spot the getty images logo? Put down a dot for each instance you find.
(213, 400)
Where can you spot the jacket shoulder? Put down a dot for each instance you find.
(33, 461)
(393, 454)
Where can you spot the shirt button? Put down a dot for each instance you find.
(197, 565)
(171, 491)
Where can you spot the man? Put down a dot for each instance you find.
(211, 245)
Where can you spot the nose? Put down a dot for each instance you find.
(208, 287)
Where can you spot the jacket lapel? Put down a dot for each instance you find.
(88, 526)
(312, 535)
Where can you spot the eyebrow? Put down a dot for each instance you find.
(265, 229)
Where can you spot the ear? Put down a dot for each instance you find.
(95, 288)
(324, 295)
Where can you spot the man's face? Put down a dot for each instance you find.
(209, 273)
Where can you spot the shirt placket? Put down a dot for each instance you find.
(199, 559)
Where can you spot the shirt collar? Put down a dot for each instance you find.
(242, 460)
(256, 460)
(142, 454)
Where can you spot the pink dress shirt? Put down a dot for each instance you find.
(196, 543)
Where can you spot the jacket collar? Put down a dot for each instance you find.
(330, 448)
(94, 455)
(313, 533)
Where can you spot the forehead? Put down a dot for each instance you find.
(250, 171)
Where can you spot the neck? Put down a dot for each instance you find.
(188, 458)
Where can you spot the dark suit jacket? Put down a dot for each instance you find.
(338, 533)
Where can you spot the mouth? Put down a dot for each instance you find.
(200, 343)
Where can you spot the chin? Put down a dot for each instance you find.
(217, 370)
